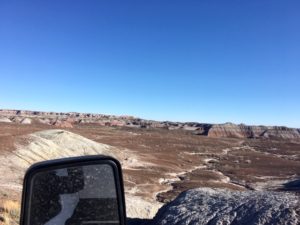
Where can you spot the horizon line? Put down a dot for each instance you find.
(137, 117)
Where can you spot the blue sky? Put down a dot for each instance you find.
(205, 60)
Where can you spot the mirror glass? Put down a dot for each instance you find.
(74, 195)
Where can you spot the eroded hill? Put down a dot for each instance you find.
(67, 120)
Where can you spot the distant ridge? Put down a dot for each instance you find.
(226, 130)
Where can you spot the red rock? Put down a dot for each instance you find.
(63, 124)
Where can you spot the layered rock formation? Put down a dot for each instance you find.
(244, 131)
(67, 120)
(218, 206)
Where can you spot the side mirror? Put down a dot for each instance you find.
(74, 191)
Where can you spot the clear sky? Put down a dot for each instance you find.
(203, 60)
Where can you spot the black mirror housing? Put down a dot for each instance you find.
(78, 190)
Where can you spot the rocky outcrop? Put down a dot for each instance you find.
(205, 206)
(26, 121)
(5, 120)
(226, 130)
(244, 131)
(281, 132)
(63, 123)
(44, 121)
(235, 131)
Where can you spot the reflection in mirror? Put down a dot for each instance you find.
(74, 195)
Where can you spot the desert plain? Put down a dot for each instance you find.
(160, 160)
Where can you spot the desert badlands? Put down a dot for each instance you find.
(176, 173)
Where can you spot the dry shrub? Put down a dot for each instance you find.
(9, 212)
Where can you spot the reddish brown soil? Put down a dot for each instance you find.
(171, 152)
